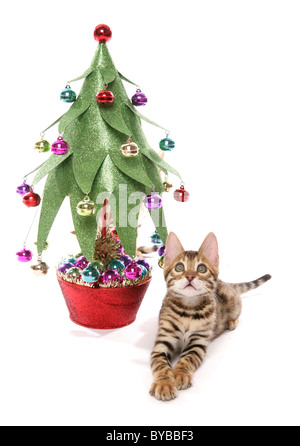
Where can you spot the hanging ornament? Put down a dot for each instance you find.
(105, 96)
(60, 147)
(74, 273)
(181, 194)
(102, 33)
(110, 275)
(168, 186)
(161, 261)
(167, 144)
(130, 148)
(82, 262)
(161, 250)
(116, 265)
(23, 189)
(25, 255)
(155, 238)
(68, 95)
(41, 268)
(31, 199)
(86, 207)
(90, 274)
(153, 201)
(42, 145)
(133, 271)
(139, 98)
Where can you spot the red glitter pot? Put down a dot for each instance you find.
(103, 308)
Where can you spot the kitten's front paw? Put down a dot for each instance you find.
(183, 380)
(164, 390)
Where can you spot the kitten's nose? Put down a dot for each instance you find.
(190, 277)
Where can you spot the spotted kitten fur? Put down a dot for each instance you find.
(198, 307)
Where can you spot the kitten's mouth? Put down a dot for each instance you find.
(188, 285)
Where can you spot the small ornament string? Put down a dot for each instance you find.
(35, 214)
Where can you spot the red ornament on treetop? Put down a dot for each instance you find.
(102, 33)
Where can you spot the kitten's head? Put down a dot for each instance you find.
(191, 273)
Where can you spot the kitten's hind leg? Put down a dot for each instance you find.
(232, 324)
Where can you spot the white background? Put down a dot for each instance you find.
(223, 76)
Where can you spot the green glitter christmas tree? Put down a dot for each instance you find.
(95, 164)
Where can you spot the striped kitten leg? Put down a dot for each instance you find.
(163, 387)
(190, 359)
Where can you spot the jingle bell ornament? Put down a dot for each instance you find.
(65, 267)
(74, 273)
(144, 263)
(161, 261)
(31, 199)
(42, 146)
(155, 238)
(110, 275)
(68, 95)
(23, 189)
(133, 271)
(40, 269)
(130, 148)
(116, 265)
(60, 147)
(86, 207)
(168, 186)
(153, 201)
(82, 262)
(102, 33)
(167, 144)
(139, 98)
(90, 274)
(24, 256)
(105, 97)
(181, 194)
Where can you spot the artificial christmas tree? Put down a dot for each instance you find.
(104, 164)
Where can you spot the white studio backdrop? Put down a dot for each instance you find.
(223, 76)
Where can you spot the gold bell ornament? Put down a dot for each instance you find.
(41, 268)
(168, 186)
(86, 207)
(130, 148)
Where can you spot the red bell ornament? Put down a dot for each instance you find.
(31, 199)
(102, 33)
(181, 194)
(105, 97)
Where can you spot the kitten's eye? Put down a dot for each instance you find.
(179, 267)
(201, 269)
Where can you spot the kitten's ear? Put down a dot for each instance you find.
(173, 248)
(210, 249)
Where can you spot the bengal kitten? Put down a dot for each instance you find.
(198, 307)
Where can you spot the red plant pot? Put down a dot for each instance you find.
(103, 308)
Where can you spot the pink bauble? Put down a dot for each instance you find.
(133, 271)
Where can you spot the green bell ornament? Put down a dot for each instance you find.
(42, 145)
(68, 95)
(86, 207)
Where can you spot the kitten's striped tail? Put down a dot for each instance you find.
(243, 287)
(146, 250)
